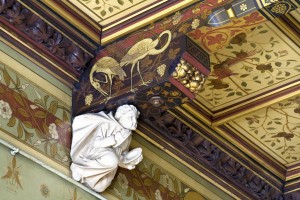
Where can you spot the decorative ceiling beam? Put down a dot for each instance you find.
(153, 77)
(201, 151)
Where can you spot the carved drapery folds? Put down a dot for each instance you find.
(55, 43)
(203, 151)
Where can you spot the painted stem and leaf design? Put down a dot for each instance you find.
(12, 174)
(278, 127)
(251, 61)
(33, 116)
(105, 8)
(150, 182)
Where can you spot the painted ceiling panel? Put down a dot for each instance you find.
(253, 63)
(106, 12)
(275, 128)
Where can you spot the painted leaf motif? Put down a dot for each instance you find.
(37, 94)
(45, 128)
(162, 189)
(75, 194)
(53, 107)
(176, 188)
(65, 116)
(40, 114)
(141, 193)
(156, 175)
(6, 77)
(1, 90)
(134, 173)
(23, 112)
(129, 192)
(28, 124)
(97, 8)
(20, 131)
(18, 98)
(12, 122)
(39, 133)
(53, 149)
(121, 2)
(103, 13)
(148, 182)
(14, 162)
(136, 182)
(230, 94)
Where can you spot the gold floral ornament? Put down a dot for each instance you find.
(88, 99)
(161, 70)
(279, 9)
(189, 76)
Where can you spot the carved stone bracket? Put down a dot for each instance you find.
(43, 36)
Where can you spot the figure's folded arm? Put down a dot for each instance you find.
(105, 142)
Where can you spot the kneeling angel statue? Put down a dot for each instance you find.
(100, 144)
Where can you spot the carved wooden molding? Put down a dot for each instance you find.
(204, 152)
(45, 37)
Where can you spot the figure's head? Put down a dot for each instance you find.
(127, 116)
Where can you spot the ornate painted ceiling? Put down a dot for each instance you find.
(239, 129)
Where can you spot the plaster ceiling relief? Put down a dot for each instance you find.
(105, 12)
(276, 128)
(255, 62)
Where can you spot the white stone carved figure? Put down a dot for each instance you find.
(100, 144)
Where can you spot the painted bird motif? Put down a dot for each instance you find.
(140, 50)
(110, 68)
